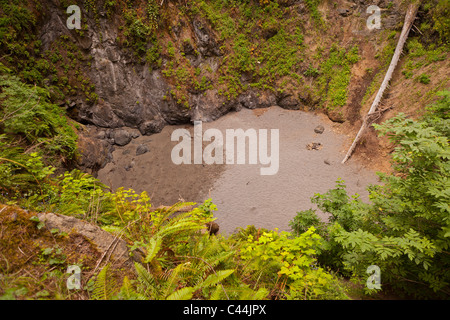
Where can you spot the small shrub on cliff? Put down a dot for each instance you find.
(26, 111)
(289, 264)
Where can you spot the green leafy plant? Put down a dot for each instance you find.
(424, 78)
(335, 76)
(79, 194)
(289, 263)
(208, 207)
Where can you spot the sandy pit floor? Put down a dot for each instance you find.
(243, 196)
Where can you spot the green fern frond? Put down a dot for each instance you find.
(173, 278)
(147, 281)
(168, 214)
(180, 206)
(258, 295)
(171, 218)
(153, 248)
(104, 287)
(211, 251)
(182, 226)
(216, 294)
(215, 278)
(216, 258)
(241, 292)
(128, 293)
(182, 294)
(115, 230)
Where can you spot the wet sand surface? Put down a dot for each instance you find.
(243, 196)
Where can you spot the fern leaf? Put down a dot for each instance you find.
(260, 294)
(182, 294)
(179, 227)
(104, 288)
(215, 278)
(216, 294)
(115, 230)
(146, 279)
(173, 278)
(180, 206)
(153, 248)
(127, 292)
(168, 214)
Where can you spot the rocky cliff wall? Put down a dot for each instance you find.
(134, 95)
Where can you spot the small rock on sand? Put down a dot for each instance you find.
(141, 149)
(319, 129)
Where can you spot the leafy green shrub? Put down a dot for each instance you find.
(153, 55)
(179, 262)
(289, 263)
(220, 20)
(311, 72)
(208, 207)
(78, 194)
(26, 111)
(17, 38)
(304, 220)
(170, 49)
(153, 13)
(438, 114)
(243, 59)
(279, 55)
(33, 133)
(424, 78)
(407, 74)
(21, 174)
(440, 16)
(138, 31)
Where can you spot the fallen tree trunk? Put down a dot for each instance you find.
(409, 20)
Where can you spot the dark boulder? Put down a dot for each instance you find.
(94, 153)
(254, 99)
(122, 137)
(151, 127)
(212, 228)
